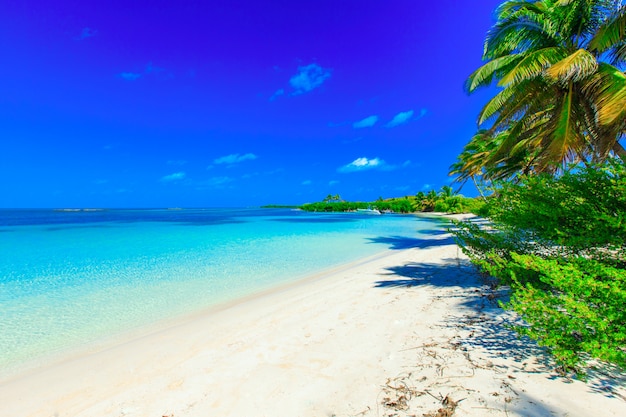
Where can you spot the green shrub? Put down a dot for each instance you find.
(559, 243)
(457, 204)
(573, 306)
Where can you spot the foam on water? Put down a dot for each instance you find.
(67, 279)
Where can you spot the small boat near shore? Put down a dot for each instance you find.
(369, 211)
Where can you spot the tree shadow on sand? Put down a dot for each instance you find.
(438, 235)
(488, 323)
(404, 242)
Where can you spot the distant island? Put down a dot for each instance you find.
(445, 200)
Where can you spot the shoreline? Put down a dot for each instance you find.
(393, 333)
(34, 365)
(59, 323)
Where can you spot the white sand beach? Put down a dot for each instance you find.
(413, 332)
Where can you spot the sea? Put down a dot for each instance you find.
(72, 277)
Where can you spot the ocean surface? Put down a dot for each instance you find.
(69, 278)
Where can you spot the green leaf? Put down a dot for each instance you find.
(575, 67)
(485, 75)
(533, 65)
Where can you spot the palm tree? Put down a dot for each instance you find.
(429, 201)
(446, 191)
(559, 101)
(483, 162)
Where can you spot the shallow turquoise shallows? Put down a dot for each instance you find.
(72, 277)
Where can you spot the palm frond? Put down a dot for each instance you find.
(530, 94)
(611, 33)
(525, 27)
(575, 67)
(493, 69)
(508, 8)
(495, 105)
(608, 89)
(566, 138)
(533, 64)
(617, 55)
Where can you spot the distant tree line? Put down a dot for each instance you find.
(445, 200)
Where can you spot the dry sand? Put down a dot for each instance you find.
(411, 333)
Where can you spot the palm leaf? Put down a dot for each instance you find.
(577, 66)
(496, 104)
(509, 8)
(611, 33)
(608, 88)
(565, 139)
(534, 64)
(524, 28)
(528, 97)
(618, 54)
(493, 69)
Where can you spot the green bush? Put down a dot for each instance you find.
(473, 205)
(458, 204)
(576, 306)
(559, 243)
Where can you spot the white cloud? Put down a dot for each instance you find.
(367, 122)
(364, 164)
(400, 118)
(277, 94)
(129, 76)
(308, 78)
(234, 158)
(177, 176)
(307, 182)
(333, 182)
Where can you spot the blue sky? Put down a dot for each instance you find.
(233, 103)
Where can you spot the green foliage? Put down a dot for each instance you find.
(580, 210)
(457, 204)
(562, 99)
(445, 201)
(472, 205)
(396, 205)
(332, 206)
(560, 244)
(572, 306)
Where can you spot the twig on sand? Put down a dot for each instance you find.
(448, 409)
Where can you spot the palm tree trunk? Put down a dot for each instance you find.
(478, 188)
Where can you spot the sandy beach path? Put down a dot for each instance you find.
(413, 332)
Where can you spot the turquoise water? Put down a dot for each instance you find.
(70, 278)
